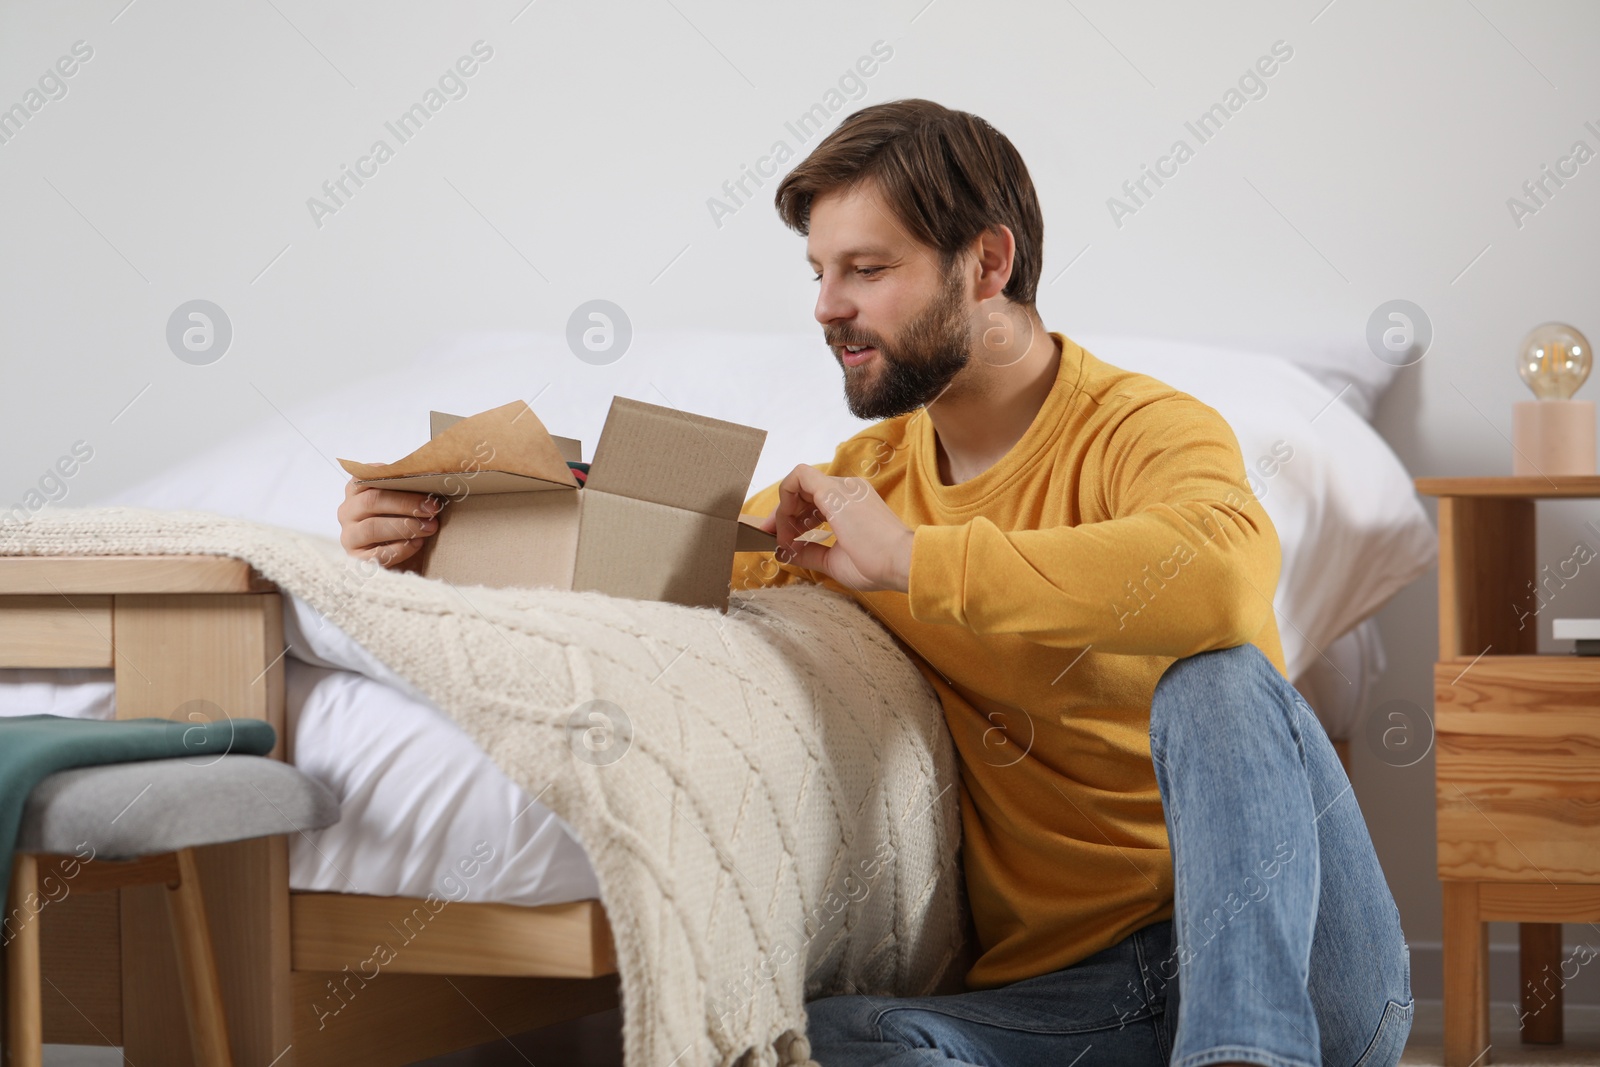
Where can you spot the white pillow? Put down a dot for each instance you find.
(1346, 369)
(1352, 529)
(1344, 365)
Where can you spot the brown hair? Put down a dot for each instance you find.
(948, 176)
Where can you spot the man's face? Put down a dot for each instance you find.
(885, 294)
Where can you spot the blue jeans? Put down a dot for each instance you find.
(1288, 945)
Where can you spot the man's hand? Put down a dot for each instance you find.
(385, 524)
(872, 547)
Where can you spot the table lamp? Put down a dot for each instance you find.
(1554, 434)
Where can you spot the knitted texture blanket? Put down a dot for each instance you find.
(768, 796)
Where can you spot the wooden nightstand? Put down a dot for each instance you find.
(1517, 743)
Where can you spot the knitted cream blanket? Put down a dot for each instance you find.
(767, 796)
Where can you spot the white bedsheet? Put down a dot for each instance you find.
(419, 802)
(1339, 683)
(421, 805)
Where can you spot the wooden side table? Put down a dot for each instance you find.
(1517, 738)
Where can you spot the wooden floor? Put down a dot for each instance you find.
(1582, 1047)
(596, 1042)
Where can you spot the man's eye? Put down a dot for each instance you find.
(865, 272)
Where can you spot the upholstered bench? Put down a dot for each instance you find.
(125, 824)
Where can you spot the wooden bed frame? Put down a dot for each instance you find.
(300, 979)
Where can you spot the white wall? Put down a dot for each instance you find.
(179, 162)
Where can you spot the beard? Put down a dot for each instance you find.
(917, 367)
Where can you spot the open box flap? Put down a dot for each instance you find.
(456, 486)
(752, 538)
(571, 449)
(672, 457)
(508, 440)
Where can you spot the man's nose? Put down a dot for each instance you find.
(832, 307)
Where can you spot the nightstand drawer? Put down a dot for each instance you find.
(1517, 743)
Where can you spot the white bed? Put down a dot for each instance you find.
(411, 785)
(415, 794)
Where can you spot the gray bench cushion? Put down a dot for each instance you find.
(124, 810)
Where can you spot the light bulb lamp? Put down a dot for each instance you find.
(1554, 434)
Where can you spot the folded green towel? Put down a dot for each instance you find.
(33, 747)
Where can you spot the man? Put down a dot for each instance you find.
(1072, 556)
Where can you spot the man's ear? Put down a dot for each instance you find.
(996, 250)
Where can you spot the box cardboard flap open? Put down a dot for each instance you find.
(461, 483)
(440, 421)
(752, 538)
(505, 449)
(675, 458)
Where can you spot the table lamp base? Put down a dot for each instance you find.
(1552, 437)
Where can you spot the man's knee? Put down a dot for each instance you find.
(1224, 678)
(837, 1023)
(842, 1020)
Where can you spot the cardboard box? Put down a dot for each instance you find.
(657, 519)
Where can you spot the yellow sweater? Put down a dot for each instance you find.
(1047, 595)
